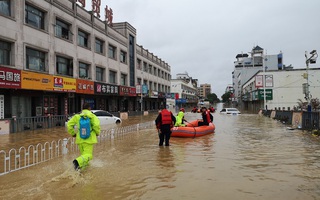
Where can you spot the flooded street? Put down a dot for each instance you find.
(248, 157)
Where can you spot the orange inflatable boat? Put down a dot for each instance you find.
(192, 130)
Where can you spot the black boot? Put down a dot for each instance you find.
(76, 165)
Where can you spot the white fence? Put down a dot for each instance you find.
(26, 157)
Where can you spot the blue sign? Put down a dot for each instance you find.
(144, 89)
(181, 100)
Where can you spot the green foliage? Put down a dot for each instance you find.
(212, 98)
(226, 97)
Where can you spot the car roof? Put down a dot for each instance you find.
(98, 111)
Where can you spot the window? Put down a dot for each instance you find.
(123, 79)
(139, 81)
(84, 70)
(5, 7)
(145, 66)
(112, 77)
(34, 17)
(155, 71)
(35, 60)
(83, 39)
(139, 64)
(5, 53)
(62, 30)
(64, 66)
(99, 46)
(100, 74)
(123, 57)
(112, 52)
(150, 69)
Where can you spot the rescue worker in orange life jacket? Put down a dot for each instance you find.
(206, 117)
(165, 122)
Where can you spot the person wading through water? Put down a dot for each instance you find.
(164, 123)
(88, 129)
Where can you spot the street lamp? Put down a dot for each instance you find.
(311, 60)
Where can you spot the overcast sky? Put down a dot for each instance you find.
(203, 37)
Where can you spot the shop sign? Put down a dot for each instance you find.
(269, 94)
(181, 100)
(259, 81)
(10, 78)
(144, 89)
(103, 88)
(36, 81)
(64, 84)
(138, 89)
(127, 91)
(85, 86)
(154, 94)
(170, 95)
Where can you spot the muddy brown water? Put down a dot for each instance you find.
(248, 157)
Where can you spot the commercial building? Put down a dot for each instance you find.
(283, 89)
(184, 91)
(245, 67)
(55, 55)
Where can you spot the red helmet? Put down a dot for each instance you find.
(182, 109)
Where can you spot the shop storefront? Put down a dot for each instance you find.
(128, 98)
(107, 96)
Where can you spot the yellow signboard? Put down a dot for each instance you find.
(64, 84)
(36, 81)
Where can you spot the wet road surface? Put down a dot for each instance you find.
(248, 157)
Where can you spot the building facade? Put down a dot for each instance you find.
(204, 90)
(246, 66)
(283, 89)
(55, 55)
(184, 91)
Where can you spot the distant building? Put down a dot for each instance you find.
(204, 90)
(229, 88)
(184, 92)
(246, 66)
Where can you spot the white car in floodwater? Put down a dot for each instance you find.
(230, 111)
(105, 117)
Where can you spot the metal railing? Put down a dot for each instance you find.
(35, 154)
(33, 123)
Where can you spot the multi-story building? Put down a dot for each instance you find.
(55, 55)
(283, 89)
(204, 90)
(246, 67)
(229, 88)
(184, 91)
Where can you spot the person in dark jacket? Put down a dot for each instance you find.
(164, 123)
(206, 117)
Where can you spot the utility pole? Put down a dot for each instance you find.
(311, 60)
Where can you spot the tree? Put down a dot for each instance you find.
(226, 97)
(212, 98)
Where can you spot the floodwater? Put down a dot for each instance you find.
(248, 157)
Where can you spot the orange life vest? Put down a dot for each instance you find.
(166, 117)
